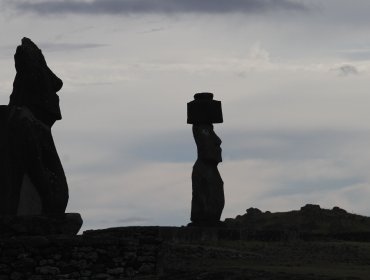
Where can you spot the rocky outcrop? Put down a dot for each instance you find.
(310, 222)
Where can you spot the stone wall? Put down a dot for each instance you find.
(121, 253)
(88, 256)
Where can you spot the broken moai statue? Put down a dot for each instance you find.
(32, 180)
(207, 186)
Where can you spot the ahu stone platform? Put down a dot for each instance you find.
(31, 225)
(150, 252)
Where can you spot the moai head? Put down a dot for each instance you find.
(203, 111)
(35, 85)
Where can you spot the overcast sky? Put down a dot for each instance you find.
(293, 78)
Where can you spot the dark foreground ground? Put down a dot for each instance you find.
(310, 243)
(306, 244)
(257, 260)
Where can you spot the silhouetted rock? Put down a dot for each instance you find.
(311, 220)
(253, 211)
(338, 210)
(311, 208)
(208, 194)
(32, 180)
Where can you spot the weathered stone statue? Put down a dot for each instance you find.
(208, 194)
(32, 180)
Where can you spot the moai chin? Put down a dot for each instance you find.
(207, 186)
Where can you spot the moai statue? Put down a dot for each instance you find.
(32, 179)
(208, 193)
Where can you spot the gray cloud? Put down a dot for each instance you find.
(291, 144)
(7, 51)
(311, 185)
(154, 30)
(347, 70)
(68, 47)
(159, 6)
(52, 47)
(179, 146)
(131, 220)
(356, 54)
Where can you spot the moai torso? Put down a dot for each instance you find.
(208, 192)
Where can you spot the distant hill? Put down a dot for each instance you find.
(310, 219)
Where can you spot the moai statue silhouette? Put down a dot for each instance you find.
(32, 177)
(208, 198)
(33, 185)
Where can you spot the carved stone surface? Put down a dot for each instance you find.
(32, 180)
(208, 193)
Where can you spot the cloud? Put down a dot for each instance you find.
(175, 146)
(286, 185)
(356, 54)
(159, 6)
(152, 30)
(309, 185)
(287, 145)
(150, 194)
(347, 70)
(132, 220)
(53, 47)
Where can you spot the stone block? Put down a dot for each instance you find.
(204, 110)
(69, 223)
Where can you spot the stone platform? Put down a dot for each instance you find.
(66, 224)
